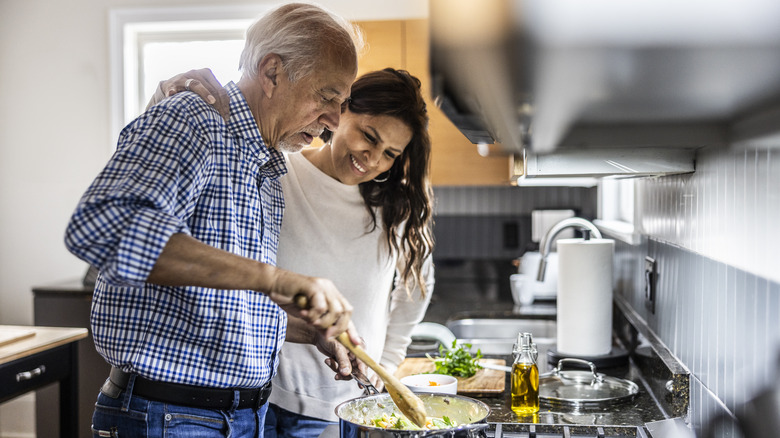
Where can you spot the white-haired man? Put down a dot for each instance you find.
(183, 224)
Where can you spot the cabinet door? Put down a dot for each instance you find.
(384, 46)
(403, 44)
(455, 159)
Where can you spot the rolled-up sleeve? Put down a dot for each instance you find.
(142, 197)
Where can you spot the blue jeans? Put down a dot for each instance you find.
(281, 423)
(133, 416)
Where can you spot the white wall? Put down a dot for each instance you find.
(55, 129)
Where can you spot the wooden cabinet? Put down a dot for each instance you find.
(403, 44)
(49, 356)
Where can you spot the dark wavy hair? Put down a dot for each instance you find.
(406, 195)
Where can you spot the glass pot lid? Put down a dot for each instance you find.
(583, 388)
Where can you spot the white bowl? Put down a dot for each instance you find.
(433, 383)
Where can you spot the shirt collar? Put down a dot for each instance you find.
(242, 123)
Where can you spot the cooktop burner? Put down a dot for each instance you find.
(521, 430)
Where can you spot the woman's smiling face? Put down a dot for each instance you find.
(365, 146)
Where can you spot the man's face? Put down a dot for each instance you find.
(310, 105)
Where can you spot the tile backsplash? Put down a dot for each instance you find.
(477, 223)
(727, 210)
(491, 201)
(718, 256)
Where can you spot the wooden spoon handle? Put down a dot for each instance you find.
(363, 356)
(407, 402)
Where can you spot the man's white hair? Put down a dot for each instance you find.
(300, 34)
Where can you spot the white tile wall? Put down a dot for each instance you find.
(728, 210)
(714, 237)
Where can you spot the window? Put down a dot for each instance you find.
(150, 45)
(164, 54)
(616, 208)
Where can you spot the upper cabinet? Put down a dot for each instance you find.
(404, 44)
(544, 76)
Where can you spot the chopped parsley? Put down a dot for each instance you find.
(457, 361)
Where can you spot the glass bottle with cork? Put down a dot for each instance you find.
(525, 376)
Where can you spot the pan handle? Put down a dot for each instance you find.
(364, 383)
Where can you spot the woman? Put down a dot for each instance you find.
(357, 211)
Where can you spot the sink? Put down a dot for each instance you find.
(492, 328)
(496, 336)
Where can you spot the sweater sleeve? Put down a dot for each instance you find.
(406, 311)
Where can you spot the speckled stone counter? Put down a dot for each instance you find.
(642, 409)
(662, 381)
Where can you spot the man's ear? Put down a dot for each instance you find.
(268, 73)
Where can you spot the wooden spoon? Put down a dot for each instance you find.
(407, 402)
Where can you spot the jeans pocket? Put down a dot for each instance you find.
(110, 421)
(194, 423)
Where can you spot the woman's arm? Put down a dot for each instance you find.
(407, 309)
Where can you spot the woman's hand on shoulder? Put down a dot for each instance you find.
(201, 82)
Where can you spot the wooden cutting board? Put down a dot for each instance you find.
(485, 382)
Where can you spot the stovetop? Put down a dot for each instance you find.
(519, 430)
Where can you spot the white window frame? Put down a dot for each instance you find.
(617, 210)
(129, 29)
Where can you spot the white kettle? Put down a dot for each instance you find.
(529, 267)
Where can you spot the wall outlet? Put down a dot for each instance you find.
(650, 282)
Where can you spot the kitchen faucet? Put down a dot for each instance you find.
(547, 240)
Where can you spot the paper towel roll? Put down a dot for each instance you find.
(585, 296)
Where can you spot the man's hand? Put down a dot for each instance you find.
(201, 82)
(315, 300)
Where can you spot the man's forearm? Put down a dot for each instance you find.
(185, 261)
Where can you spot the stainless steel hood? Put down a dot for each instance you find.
(547, 75)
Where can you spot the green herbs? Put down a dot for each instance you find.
(444, 423)
(457, 361)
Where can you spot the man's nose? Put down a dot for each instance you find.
(330, 117)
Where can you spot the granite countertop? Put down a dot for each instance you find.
(642, 409)
(653, 402)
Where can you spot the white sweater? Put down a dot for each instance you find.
(325, 234)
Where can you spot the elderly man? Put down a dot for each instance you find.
(183, 223)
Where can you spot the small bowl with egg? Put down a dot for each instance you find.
(431, 383)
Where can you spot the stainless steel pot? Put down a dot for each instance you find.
(469, 414)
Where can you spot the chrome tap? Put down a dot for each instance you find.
(547, 240)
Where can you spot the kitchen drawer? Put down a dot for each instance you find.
(46, 367)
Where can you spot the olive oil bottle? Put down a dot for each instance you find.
(525, 376)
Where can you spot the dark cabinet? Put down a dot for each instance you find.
(67, 304)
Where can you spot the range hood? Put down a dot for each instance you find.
(540, 76)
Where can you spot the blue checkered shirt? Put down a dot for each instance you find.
(180, 168)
